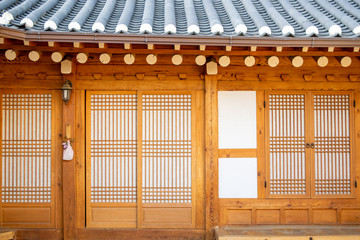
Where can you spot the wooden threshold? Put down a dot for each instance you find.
(134, 234)
(291, 232)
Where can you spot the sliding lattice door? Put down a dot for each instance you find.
(166, 156)
(28, 153)
(140, 159)
(287, 168)
(111, 159)
(309, 144)
(332, 173)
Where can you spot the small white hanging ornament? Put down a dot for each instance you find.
(68, 152)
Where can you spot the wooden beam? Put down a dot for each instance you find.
(105, 58)
(273, 61)
(253, 48)
(344, 61)
(34, 56)
(200, 60)
(224, 61)
(297, 61)
(69, 183)
(211, 155)
(202, 47)
(321, 61)
(356, 49)
(57, 56)
(151, 59)
(331, 49)
(177, 59)
(129, 59)
(11, 54)
(279, 49)
(177, 47)
(228, 48)
(249, 61)
(82, 57)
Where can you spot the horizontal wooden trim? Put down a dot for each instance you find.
(238, 153)
(140, 85)
(129, 234)
(269, 85)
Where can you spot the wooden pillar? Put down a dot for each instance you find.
(211, 154)
(69, 201)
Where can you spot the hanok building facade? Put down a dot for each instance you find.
(185, 116)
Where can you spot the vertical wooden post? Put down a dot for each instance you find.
(69, 202)
(211, 154)
(260, 152)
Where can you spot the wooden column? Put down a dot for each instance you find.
(69, 200)
(211, 154)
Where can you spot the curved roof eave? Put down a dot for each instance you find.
(215, 40)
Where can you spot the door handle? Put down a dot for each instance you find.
(312, 145)
(307, 145)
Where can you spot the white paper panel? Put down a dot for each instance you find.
(237, 178)
(237, 119)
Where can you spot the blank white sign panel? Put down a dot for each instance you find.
(237, 119)
(237, 177)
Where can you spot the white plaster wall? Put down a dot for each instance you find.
(237, 119)
(237, 178)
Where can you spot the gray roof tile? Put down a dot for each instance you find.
(274, 18)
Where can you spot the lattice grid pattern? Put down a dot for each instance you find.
(114, 148)
(332, 144)
(287, 144)
(26, 148)
(166, 142)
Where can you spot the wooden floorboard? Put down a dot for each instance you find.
(289, 232)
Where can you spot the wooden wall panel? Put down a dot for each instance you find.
(296, 216)
(324, 216)
(288, 211)
(268, 216)
(350, 216)
(239, 216)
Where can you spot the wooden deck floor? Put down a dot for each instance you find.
(289, 232)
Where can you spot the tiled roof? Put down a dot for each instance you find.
(274, 18)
